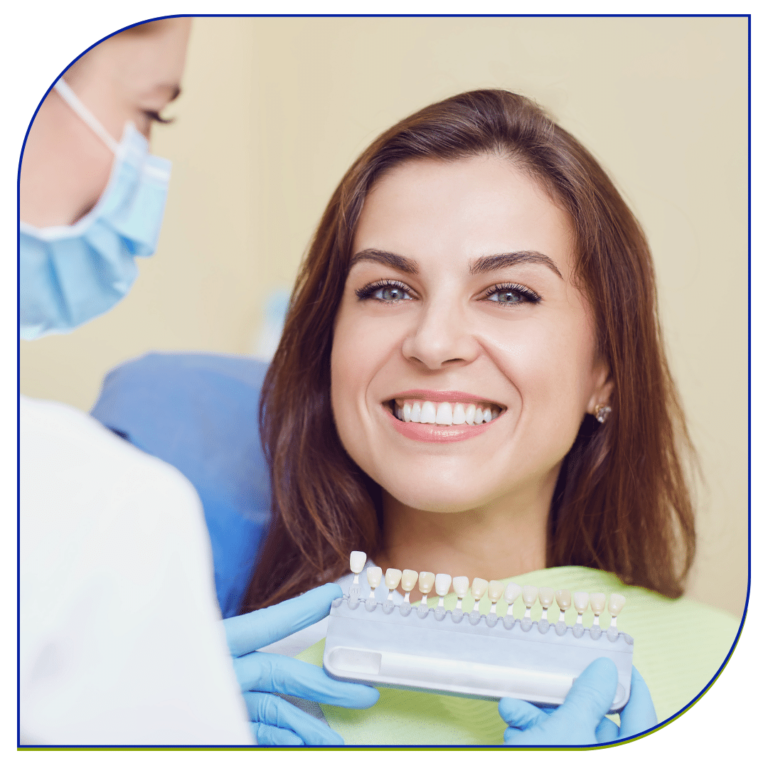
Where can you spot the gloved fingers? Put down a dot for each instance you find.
(607, 731)
(271, 710)
(590, 697)
(254, 630)
(520, 714)
(270, 736)
(639, 714)
(270, 673)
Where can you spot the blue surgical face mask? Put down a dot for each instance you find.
(71, 274)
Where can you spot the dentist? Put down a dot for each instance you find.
(121, 640)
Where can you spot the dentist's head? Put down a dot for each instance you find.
(92, 197)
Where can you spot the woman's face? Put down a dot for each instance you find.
(460, 298)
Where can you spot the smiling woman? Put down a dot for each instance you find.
(472, 380)
(475, 259)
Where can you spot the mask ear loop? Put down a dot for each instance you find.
(77, 106)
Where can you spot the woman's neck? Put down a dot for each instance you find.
(504, 538)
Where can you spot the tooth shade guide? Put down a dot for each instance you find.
(478, 643)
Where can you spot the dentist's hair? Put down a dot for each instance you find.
(622, 501)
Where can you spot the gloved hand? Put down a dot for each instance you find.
(581, 719)
(274, 721)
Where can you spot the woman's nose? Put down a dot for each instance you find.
(440, 336)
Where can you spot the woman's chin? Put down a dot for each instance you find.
(444, 499)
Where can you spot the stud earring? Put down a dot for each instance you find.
(602, 412)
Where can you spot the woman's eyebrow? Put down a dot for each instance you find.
(490, 263)
(385, 257)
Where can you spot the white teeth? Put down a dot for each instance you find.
(444, 414)
(428, 413)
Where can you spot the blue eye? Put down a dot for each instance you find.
(511, 295)
(387, 291)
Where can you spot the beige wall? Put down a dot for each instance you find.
(274, 110)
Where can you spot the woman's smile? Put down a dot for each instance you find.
(441, 417)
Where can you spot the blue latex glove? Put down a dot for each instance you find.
(274, 721)
(581, 719)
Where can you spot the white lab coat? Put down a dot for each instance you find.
(120, 634)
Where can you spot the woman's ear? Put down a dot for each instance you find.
(603, 389)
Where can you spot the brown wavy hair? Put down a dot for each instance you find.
(621, 503)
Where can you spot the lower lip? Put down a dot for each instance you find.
(433, 433)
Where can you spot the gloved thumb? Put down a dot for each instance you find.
(591, 695)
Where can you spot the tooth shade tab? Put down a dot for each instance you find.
(357, 562)
(597, 602)
(442, 584)
(546, 597)
(529, 596)
(373, 574)
(410, 578)
(581, 601)
(460, 586)
(392, 578)
(563, 597)
(426, 582)
(478, 588)
(615, 604)
(495, 591)
(511, 592)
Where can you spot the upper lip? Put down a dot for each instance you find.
(444, 396)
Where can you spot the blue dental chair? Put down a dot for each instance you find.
(198, 412)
